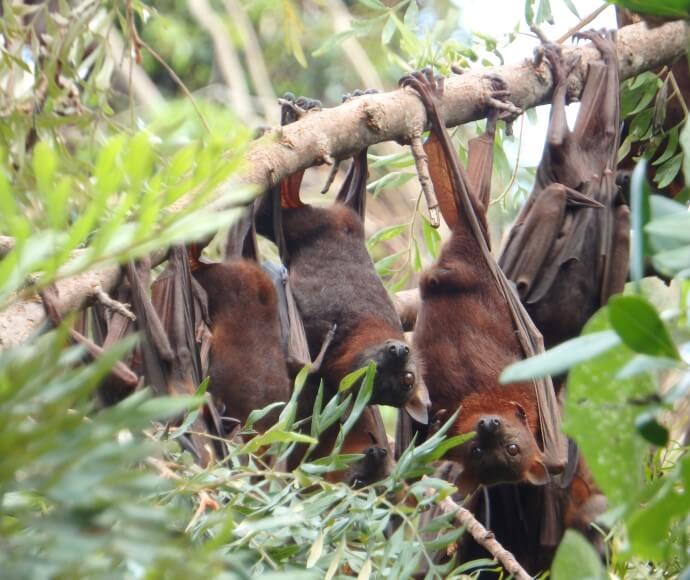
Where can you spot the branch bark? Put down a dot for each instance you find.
(485, 538)
(23, 318)
(341, 131)
(394, 116)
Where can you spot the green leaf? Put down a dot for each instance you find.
(672, 262)
(639, 216)
(648, 426)
(44, 163)
(639, 326)
(576, 559)
(388, 30)
(571, 7)
(351, 378)
(667, 172)
(671, 147)
(362, 399)
(333, 41)
(544, 12)
(389, 180)
(669, 8)
(600, 416)
(561, 358)
(373, 4)
(385, 234)
(665, 504)
(432, 238)
(276, 435)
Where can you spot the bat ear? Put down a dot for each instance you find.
(520, 412)
(537, 473)
(353, 192)
(241, 240)
(418, 405)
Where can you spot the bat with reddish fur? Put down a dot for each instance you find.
(336, 286)
(470, 326)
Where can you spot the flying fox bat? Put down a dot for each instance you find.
(272, 208)
(471, 326)
(247, 366)
(336, 287)
(568, 249)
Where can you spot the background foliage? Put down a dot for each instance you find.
(98, 166)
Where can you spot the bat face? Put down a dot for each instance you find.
(376, 464)
(247, 366)
(396, 372)
(504, 449)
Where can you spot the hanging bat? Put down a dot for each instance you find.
(169, 353)
(247, 365)
(296, 344)
(568, 249)
(335, 285)
(470, 325)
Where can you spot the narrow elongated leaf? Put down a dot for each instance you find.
(561, 358)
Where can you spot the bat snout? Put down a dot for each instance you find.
(397, 351)
(488, 425)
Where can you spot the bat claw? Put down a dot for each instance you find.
(601, 39)
(293, 109)
(358, 93)
(427, 85)
(497, 99)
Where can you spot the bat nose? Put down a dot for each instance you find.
(488, 425)
(376, 452)
(398, 350)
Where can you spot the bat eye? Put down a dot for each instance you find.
(476, 452)
(408, 379)
(512, 449)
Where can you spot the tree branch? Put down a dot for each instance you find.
(482, 536)
(394, 116)
(341, 131)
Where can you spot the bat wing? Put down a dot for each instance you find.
(353, 192)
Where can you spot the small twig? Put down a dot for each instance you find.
(113, 304)
(580, 25)
(163, 470)
(513, 176)
(331, 176)
(482, 536)
(421, 161)
(205, 501)
(678, 94)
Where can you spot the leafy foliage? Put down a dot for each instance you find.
(87, 180)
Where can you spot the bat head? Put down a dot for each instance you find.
(376, 464)
(398, 381)
(503, 450)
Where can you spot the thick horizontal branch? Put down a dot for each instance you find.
(22, 318)
(341, 131)
(338, 132)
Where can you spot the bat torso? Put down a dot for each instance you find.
(247, 366)
(334, 282)
(465, 334)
